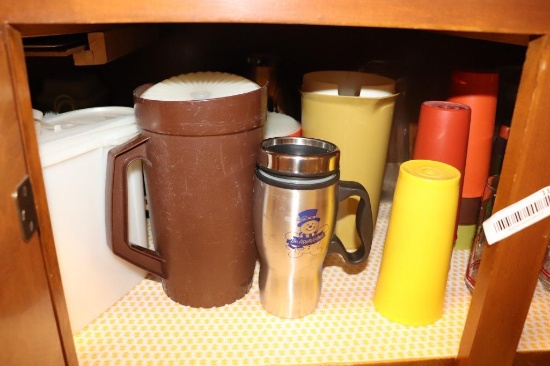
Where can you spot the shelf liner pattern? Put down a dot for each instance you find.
(145, 327)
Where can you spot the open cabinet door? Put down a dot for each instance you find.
(34, 326)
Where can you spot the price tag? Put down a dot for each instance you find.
(517, 216)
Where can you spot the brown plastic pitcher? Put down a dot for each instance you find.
(198, 160)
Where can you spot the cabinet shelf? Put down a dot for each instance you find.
(498, 309)
(93, 48)
(146, 325)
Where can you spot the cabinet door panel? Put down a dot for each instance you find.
(29, 331)
(509, 269)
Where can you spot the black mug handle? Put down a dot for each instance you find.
(363, 223)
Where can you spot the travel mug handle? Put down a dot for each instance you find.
(363, 223)
(116, 206)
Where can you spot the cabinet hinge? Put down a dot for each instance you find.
(24, 200)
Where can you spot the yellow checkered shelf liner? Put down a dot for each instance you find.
(145, 327)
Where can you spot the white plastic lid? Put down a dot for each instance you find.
(37, 115)
(199, 86)
(279, 125)
(347, 83)
(364, 93)
(84, 130)
(69, 123)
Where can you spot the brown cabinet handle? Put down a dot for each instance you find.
(116, 206)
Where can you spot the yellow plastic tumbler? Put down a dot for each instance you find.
(419, 242)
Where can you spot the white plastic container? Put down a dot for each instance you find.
(73, 150)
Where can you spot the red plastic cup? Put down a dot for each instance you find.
(443, 131)
(479, 91)
(442, 135)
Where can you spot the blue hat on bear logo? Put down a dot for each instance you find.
(307, 215)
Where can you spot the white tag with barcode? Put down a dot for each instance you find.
(518, 216)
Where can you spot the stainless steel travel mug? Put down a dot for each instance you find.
(295, 203)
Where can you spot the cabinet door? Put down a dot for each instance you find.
(509, 269)
(30, 314)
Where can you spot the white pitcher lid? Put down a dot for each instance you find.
(199, 86)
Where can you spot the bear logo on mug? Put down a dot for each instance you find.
(309, 235)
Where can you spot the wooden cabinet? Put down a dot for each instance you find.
(509, 272)
(34, 326)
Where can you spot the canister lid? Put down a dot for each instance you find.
(59, 126)
(348, 83)
(280, 124)
(67, 135)
(299, 156)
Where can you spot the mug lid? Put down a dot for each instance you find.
(299, 156)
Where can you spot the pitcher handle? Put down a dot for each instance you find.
(116, 206)
(363, 223)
